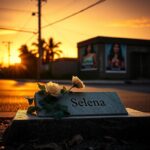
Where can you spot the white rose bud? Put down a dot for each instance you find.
(77, 82)
(53, 88)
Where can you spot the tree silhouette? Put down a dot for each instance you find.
(43, 46)
(28, 60)
(51, 50)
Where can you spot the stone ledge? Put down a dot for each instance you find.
(21, 115)
(26, 128)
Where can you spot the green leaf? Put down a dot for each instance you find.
(32, 109)
(56, 110)
(41, 87)
(61, 107)
(41, 92)
(63, 90)
(58, 115)
(49, 98)
(30, 99)
(49, 107)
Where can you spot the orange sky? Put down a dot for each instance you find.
(118, 18)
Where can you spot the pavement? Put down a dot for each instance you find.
(139, 81)
(88, 82)
(7, 115)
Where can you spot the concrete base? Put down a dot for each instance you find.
(26, 128)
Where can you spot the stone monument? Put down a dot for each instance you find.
(88, 104)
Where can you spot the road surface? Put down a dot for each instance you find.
(12, 92)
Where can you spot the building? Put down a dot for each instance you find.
(114, 58)
(64, 68)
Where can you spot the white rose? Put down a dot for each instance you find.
(77, 82)
(53, 88)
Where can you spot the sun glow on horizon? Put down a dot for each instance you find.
(12, 60)
(111, 18)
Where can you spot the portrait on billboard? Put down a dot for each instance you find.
(115, 56)
(88, 58)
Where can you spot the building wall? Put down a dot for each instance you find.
(136, 58)
(139, 61)
(64, 68)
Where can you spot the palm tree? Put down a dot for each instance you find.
(28, 60)
(43, 46)
(51, 50)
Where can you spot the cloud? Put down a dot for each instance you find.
(133, 23)
(7, 32)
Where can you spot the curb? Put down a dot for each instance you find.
(7, 115)
(102, 81)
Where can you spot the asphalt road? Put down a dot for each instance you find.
(136, 96)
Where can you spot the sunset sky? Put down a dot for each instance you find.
(117, 18)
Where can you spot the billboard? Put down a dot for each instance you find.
(88, 58)
(115, 58)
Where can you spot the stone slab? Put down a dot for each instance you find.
(89, 104)
(26, 128)
(132, 113)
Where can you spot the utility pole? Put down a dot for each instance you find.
(8, 43)
(39, 64)
(39, 41)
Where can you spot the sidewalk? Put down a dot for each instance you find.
(101, 81)
(7, 115)
(91, 81)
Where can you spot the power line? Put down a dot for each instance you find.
(3, 28)
(24, 25)
(57, 21)
(63, 8)
(78, 12)
(75, 31)
(67, 29)
(11, 9)
(30, 38)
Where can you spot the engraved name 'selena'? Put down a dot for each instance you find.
(84, 102)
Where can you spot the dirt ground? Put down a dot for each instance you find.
(77, 142)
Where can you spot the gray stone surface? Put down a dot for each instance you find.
(132, 113)
(26, 128)
(89, 103)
